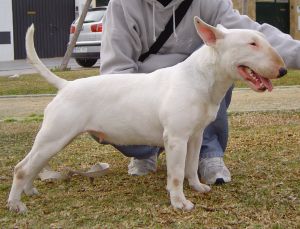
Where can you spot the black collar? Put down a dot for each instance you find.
(164, 2)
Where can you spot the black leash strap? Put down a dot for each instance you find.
(164, 36)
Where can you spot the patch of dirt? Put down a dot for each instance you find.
(18, 107)
(281, 98)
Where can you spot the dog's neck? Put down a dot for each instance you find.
(206, 62)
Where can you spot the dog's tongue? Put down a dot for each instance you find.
(267, 83)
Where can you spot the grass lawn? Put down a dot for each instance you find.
(35, 84)
(263, 157)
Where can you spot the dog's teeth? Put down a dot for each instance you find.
(249, 71)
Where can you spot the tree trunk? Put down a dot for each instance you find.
(71, 46)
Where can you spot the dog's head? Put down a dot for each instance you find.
(243, 54)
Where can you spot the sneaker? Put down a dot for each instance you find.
(214, 171)
(140, 167)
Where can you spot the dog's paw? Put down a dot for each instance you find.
(17, 206)
(181, 203)
(203, 188)
(31, 192)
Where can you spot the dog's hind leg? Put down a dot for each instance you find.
(176, 148)
(192, 163)
(50, 140)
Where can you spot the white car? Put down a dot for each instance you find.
(87, 49)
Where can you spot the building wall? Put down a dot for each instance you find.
(52, 20)
(245, 7)
(6, 31)
(294, 13)
(295, 18)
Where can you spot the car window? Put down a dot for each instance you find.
(94, 16)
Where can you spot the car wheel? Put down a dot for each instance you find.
(87, 63)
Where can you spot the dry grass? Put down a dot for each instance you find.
(263, 156)
(35, 84)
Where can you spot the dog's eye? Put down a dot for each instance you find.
(253, 44)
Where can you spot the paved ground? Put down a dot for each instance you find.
(281, 98)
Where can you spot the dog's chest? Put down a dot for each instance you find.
(211, 113)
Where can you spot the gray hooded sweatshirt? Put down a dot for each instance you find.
(132, 26)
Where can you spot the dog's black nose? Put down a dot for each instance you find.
(282, 72)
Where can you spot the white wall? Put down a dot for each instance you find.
(6, 25)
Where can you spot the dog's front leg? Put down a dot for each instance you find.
(176, 149)
(192, 163)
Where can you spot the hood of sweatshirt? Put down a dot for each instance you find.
(163, 5)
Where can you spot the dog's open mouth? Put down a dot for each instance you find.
(254, 80)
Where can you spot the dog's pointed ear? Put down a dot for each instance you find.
(208, 33)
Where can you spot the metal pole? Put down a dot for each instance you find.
(72, 44)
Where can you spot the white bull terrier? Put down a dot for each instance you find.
(122, 108)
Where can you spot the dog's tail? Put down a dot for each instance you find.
(33, 58)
